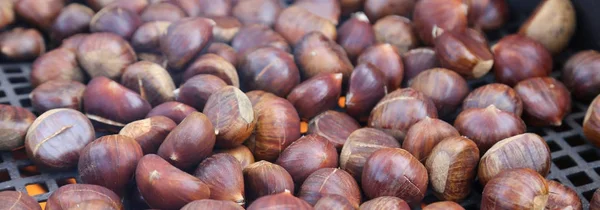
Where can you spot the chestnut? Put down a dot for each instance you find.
(360, 145)
(488, 15)
(295, 22)
(149, 133)
(452, 167)
(546, 101)
(223, 175)
(230, 112)
(7, 13)
(57, 94)
(283, 199)
(552, 24)
(517, 58)
(394, 172)
(146, 38)
(334, 126)
(213, 8)
(105, 54)
(367, 86)
(14, 122)
(445, 101)
(184, 39)
(196, 90)
(40, 13)
(225, 28)
(377, 9)
(109, 161)
(430, 15)
(307, 155)
(162, 11)
(317, 54)
(264, 178)
(185, 149)
(58, 64)
(241, 153)
(252, 37)
(72, 43)
(328, 9)
(18, 200)
(175, 111)
(333, 201)
(55, 138)
(72, 195)
(397, 111)
(165, 187)
(469, 57)
(223, 50)
(591, 123)
(21, 44)
(191, 7)
(397, 31)
(73, 19)
(386, 58)
(443, 205)
(595, 202)
(422, 137)
(150, 80)
(136, 6)
(328, 181)
(385, 202)
(316, 95)
(116, 20)
(215, 65)
(418, 60)
(269, 69)
(99, 104)
(515, 189)
(501, 96)
(246, 11)
(521, 151)
(212, 204)
(579, 74)
(562, 197)
(355, 35)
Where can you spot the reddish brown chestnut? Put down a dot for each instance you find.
(385, 202)
(282, 199)
(462, 53)
(196, 90)
(388, 61)
(184, 39)
(418, 60)
(562, 197)
(488, 14)
(14, 123)
(430, 15)
(149, 133)
(57, 94)
(215, 65)
(225, 28)
(185, 149)
(241, 153)
(317, 54)
(55, 138)
(316, 95)
(422, 137)
(435, 83)
(252, 37)
(73, 19)
(397, 31)
(367, 87)
(295, 22)
(546, 101)
(223, 50)
(116, 20)
(263, 178)
(360, 145)
(501, 96)
(230, 112)
(162, 11)
(269, 69)
(377, 9)
(355, 35)
(552, 24)
(579, 74)
(105, 54)
(21, 44)
(174, 110)
(328, 181)
(333, 126)
(72, 195)
(7, 13)
(57, 64)
(517, 58)
(212, 204)
(40, 13)
(246, 11)
(333, 201)
(150, 80)
(17, 200)
(515, 189)
(147, 37)
(223, 175)
(307, 155)
(444, 205)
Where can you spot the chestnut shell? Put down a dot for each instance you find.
(14, 123)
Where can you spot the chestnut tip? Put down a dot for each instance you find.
(482, 68)
(361, 16)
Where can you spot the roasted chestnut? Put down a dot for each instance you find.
(422, 137)
(461, 52)
(282, 199)
(17, 200)
(367, 87)
(443, 205)
(397, 31)
(105, 54)
(562, 197)
(435, 83)
(307, 155)
(21, 44)
(225, 51)
(488, 14)
(40, 13)
(501, 96)
(162, 11)
(196, 90)
(269, 69)
(316, 95)
(430, 15)
(515, 189)
(116, 20)
(264, 178)
(184, 39)
(333, 126)
(546, 101)
(212, 204)
(223, 175)
(230, 112)
(241, 153)
(333, 201)
(355, 35)
(386, 58)
(14, 123)
(73, 19)
(150, 80)
(295, 22)
(579, 74)
(418, 60)
(517, 58)
(215, 65)
(72, 195)
(57, 94)
(385, 202)
(252, 37)
(552, 24)
(149, 133)
(174, 110)
(147, 37)
(246, 11)
(317, 54)
(225, 28)
(376, 9)
(360, 145)
(330, 181)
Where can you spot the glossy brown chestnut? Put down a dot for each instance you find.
(150, 80)
(386, 58)
(385, 202)
(176, 111)
(295, 22)
(360, 145)
(579, 74)
(521, 151)
(21, 44)
(283, 199)
(58, 64)
(196, 90)
(7, 13)
(595, 202)
(212, 204)
(469, 57)
(109, 161)
(333, 201)
(55, 138)
(245, 11)
(185, 149)
(435, 83)
(70, 196)
(223, 175)
(241, 153)
(501, 96)
(552, 24)
(377, 9)
(264, 178)
(215, 65)
(57, 94)
(99, 104)
(40, 13)
(73, 42)
(562, 197)
(225, 51)
(105, 54)
(149, 133)
(397, 31)
(355, 35)
(269, 69)
(256, 36)
(14, 123)
(165, 187)
(515, 189)
(147, 37)
(328, 181)
(316, 95)
(394, 172)
(517, 58)
(307, 155)
(444, 205)
(546, 101)
(116, 20)
(488, 14)
(422, 137)
(162, 11)
(591, 123)
(367, 86)
(230, 112)
(399, 110)
(418, 60)
(430, 15)
(316, 54)
(17, 200)
(184, 39)
(334, 126)
(225, 28)
(452, 167)
(73, 19)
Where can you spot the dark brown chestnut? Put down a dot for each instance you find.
(7, 13)
(149, 133)
(328, 9)
(394, 172)
(55, 138)
(360, 145)
(147, 37)
(355, 35)
(435, 83)
(517, 58)
(184, 39)
(333, 201)
(21, 44)
(388, 61)
(377, 9)
(185, 149)
(330, 181)
(40, 13)
(366, 87)
(176, 111)
(223, 50)
(72, 43)
(14, 123)
(462, 53)
(418, 60)
(150, 80)
(72, 195)
(241, 153)
(212, 204)
(430, 15)
(256, 36)
(295, 22)
(443, 205)
(595, 202)
(269, 69)
(264, 178)
(230, 112)
(110, 161)
(316, 95)
(99, 104)
(422, 137)
(116, 20)
(591, 123)
(73, 19)
(105, 54)
(283, 200)
(165, 187)
(399, 110)
(488, 14)
(57, 94)
(225, 28)
(317, 54)
(162, 11)
(501, 96)
(487, 126)
(521, 151)
(223, 175)
(246, 11)
(579, 74)
(546, 101)
(385, 202)
(196, 90)
(18, 200)
(307, 155)
(562, 197)
(397, 31)
(334, 126)
(515, 189)
(215, 65)
(552, 24)
(136, 6)
(58, 64)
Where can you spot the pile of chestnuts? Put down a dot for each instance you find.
(270, 104)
